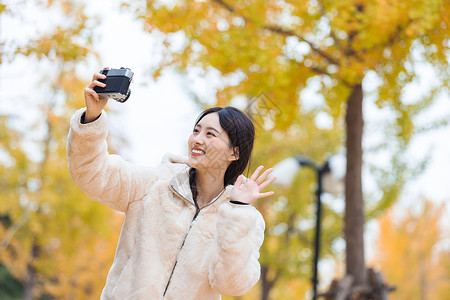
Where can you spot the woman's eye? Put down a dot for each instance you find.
(208, 133)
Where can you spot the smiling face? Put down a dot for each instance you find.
(209, 145)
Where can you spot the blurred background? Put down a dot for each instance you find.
(363, 80)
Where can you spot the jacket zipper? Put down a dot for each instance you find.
(197, 211)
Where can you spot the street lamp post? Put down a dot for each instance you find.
(285, 172)
(320, 171)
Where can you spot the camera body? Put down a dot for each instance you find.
(117, 84)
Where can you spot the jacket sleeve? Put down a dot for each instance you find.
(105, 178)
(234, 266)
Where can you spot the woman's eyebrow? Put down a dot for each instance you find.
(210, 128)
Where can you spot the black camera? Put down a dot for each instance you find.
(117, 84)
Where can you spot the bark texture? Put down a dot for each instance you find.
(354, 205)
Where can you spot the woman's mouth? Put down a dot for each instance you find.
(197, 152)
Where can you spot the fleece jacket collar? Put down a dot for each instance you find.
(179, 183)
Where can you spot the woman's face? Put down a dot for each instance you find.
(209, 145)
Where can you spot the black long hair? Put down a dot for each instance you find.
(241, 132)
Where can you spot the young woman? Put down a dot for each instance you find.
(190, 230)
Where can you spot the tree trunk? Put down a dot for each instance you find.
(422, 280)
(354, 204)
(266, 283)
(31, 274)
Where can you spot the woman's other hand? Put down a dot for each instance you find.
(251, 189)
(94, 104)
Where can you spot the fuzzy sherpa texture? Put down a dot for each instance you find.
(161, 247)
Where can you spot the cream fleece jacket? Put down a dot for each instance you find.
(165, 251)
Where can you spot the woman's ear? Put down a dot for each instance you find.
(235, 154)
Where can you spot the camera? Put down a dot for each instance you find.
(117, 84)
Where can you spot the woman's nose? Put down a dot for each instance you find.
(198, 139)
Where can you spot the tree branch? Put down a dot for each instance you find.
(225, 5)
(318, 70)
(282, 31)
(314, 48)
(13, 229)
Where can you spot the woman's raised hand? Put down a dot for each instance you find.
(94, 104)
(251, 190)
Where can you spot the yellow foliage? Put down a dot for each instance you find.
(49, 230)
(408, 253)
(55, 229)
(345, 38)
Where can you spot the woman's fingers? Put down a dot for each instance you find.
(91, 93)
(263, 176)
(267, 194)
(89, 90)
(266, 183)
(98, 76)
(259, 183)
(238, 181)
(95, 83)
(256, 173)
